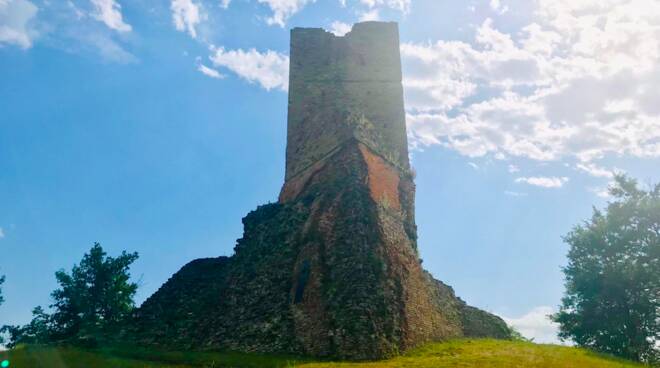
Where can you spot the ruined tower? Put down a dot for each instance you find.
(344, 88)
(332, 269)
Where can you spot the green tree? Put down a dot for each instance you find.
(92, 302)
(612, 299)
(96, 296)
(38, 331)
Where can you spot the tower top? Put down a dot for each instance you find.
(345, 88)
(369, 52)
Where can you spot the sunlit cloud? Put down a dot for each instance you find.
(269, 69)
(283, 9)
(109, 12)
(536, 106)
(186, 15)
(544, 182)
(496, 6)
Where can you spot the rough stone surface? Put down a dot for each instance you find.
(332, 269)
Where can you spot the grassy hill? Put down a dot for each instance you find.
(459, 353)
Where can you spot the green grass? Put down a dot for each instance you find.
(459, 353)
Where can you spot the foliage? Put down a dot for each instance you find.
(2, 299)
(459, 353)
(613, 276)
(38, 331)
(2, 281)
(90, 304)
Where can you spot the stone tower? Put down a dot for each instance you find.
(332, 269)
(342, 88)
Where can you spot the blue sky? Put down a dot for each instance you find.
(155, 126)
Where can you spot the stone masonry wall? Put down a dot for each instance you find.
(332, 269)
(345, 87)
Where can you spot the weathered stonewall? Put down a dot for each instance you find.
(332, 269)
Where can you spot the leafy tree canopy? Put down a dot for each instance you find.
(612, 299)
(92, 301)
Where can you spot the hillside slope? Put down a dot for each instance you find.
(459, 353)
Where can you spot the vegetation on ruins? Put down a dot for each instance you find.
(2, 281)
(612, 300)
(90, 305)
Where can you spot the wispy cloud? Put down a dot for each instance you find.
(596, 171)
(283, 9)
(536, 325)
(2, 233)
(209, 71)
(108, 49)
(545, 182)
(15, 18)
(269, 69)
(496, 6)
(186, 15)
(109, 12)
(511, 193)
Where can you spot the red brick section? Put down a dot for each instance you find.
(295, 185)
(383, 179)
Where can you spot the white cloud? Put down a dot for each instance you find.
(186, 15)
(79, 13)
(511, 193)
(2, 233)
(542, 181)
(497, 6)
(400, 5)
(109, 12)
(536, 325)
(601, 192)
(339, 28)
(225, 3)
(107, 48)
(513, 168)
(595, 170)
(209, 71)
(473, 165)
(270, 69)
(579, 81)
(15, 18)
(370, 15)
(283, 9)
